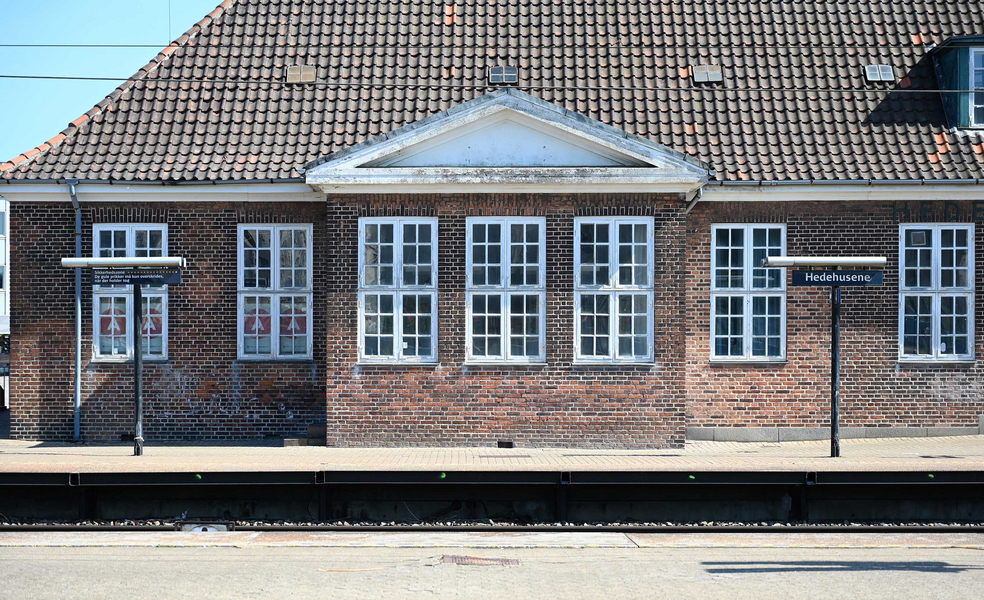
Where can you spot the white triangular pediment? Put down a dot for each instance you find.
(506, 141)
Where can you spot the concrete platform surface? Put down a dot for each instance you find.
(904, 454)
(196, 573)
(505, 539)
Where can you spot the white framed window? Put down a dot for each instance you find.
(398, 290)
(613, 290)
(977, 84)
(506, 281)
(748, 302)
(936, 291)
(112, 306)
(275, 292)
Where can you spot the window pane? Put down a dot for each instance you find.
(148, 243)
(633, 326)
(954, 325)
(486, 254)
(293, 258)
(766, 326)
(377, 254)
(633, 254)
(113, 336)
(379, 325)
(729, 256)
(294, 319)
(152, 326)
(918, 257)
(487, 325)
(595, 325)
(417, 319)
(417, 254)
(917, 338)
(766, 241)
(594, 254)
(524, 325)
(524, 254)
(257, 326)
(257, 258)
(729, 326)
(954, 258)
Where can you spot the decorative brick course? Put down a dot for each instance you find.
(876, 390)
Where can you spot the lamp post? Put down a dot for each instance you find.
(135, 272)
(835, 279)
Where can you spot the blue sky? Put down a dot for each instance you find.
(32, 111)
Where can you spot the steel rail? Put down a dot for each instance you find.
(476, 528)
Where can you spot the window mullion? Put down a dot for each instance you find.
(612, 259)
(747, 327)
(397, 321)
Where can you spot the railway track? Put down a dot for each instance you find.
(976, 528)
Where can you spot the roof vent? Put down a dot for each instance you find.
(503, 75)
(879, 73)
(302, 74)
(707, 73)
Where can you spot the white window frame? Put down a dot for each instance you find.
(102, 291)
(612, 288)
(398, 289)
(937, 293)
(505, 289)
(974, 52)
(748, 292)
(274, 291)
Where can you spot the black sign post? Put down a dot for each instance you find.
(136, 278)
(835, 279)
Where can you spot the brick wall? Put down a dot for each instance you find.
(876, 390)
(554, 404)
(202, 391)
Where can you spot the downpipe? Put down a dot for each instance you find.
(77, 400)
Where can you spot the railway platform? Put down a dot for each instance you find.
(875, 480)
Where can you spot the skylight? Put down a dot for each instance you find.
(879, 73)
(707, 73)
(503, 75)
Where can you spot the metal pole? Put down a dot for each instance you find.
(835, 334)
(138, 370)
(77, 392)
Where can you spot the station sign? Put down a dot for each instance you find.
(837, 278)
(162, 276)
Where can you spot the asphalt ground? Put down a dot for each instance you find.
(703, 566)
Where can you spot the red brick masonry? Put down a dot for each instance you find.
(876, 389)
(204, 392)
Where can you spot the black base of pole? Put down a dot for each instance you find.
(138, 447)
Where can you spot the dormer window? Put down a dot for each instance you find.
(959, 65)
(977, 84)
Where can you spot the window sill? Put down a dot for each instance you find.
(749, 362)
(503, 363)
(396, 364)
(594, 364)
(128, 361)
(290, 361)
(936, 362)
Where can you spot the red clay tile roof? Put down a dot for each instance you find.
(392, 62)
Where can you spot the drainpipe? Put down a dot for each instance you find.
(78, 311)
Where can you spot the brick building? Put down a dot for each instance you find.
(454, 224)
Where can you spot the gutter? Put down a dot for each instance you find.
(154, 183)
(836, 182)
(77, 400)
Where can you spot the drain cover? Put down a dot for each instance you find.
(479, 561)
